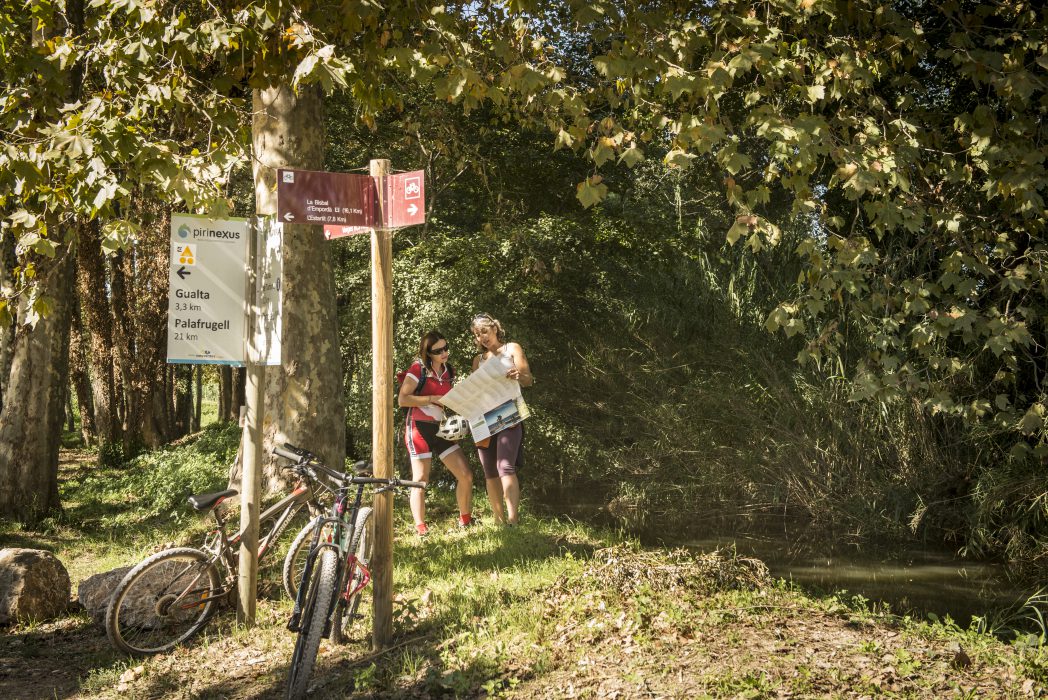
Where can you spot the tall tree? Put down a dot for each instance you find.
(31, 419)
(79, 375)
(30, 426)
(96, 306)
(304, 401)
(910, 141)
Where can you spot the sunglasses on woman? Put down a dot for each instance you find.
(439, 351)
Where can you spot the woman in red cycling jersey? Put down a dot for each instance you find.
(425, 413)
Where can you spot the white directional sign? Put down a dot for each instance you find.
(206, 311)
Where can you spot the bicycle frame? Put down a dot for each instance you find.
(222, 549)
(339, 539)
(287, 507)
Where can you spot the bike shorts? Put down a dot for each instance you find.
(422, 440)
(504, 453)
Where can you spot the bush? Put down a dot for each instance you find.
(162, 479)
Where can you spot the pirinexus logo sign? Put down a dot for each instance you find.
(183, 231)
(215, 234)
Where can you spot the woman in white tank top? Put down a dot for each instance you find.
(502, 454)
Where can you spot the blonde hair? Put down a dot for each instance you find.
(487, 321)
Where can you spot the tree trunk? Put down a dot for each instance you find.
(99, 342)
(37, 387)
(31, 427)
(139, 285)
(239, 393)
(129, 414)
(198, 397)
(303, 397)
(80, 376)
(8, 262)
(182, 419)
(225, 394)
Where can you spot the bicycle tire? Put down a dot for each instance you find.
(363, 543)
(295, 559)
(144, 616)
(320, 595)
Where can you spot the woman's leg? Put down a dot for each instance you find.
(456, 463)
(489, 461)
(511, 487)
(417, 497)
(508, 453)
(495, 495)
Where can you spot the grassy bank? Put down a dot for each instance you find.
(550, 609)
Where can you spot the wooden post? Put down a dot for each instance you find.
(251, 441)
(382, 416)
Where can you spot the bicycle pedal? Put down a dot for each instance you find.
(293, 625)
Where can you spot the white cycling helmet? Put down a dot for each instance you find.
(453, 428)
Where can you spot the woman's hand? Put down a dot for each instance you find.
(519, 375)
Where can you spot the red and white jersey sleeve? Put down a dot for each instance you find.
(435, 386)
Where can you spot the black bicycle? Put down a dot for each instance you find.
(334, 572)
(169, 597)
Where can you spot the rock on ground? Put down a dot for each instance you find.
(95, 591)
(34, 586)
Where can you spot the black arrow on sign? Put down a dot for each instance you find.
(182, 272)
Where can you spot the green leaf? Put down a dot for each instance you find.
(44, 247)
(602, 151)
(678, 158)
(1033, 421)
(564, 140)
(737, 231)
(591, 191)
(631, 156)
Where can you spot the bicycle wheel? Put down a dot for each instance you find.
(163, 601)
(362, 544)
(320, 596)
(295, 560)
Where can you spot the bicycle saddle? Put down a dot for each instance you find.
(207, 501)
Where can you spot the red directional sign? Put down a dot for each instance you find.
(331, 231)
(347, 203)
(312, 197)
(405, 199)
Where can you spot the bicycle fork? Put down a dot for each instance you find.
(294, 624)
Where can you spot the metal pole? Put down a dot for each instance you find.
(250, 490)
(382, 413)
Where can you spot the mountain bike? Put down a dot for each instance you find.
(169, 597)
(334, 570)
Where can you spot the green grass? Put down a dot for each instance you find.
(114, 515)
(501, 612)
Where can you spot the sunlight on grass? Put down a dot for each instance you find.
(494, 611)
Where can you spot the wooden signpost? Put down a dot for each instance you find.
(382, 418)
(378, 203)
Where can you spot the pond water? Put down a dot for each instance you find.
(911, 578)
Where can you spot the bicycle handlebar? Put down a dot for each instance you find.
(397, 483)
(297, 454)
(291, 452)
